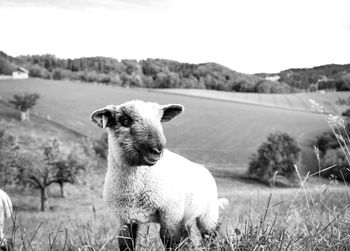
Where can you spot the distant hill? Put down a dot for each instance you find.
(163, 73)
(332, 76)
(149, 73)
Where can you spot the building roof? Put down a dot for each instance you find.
(21, 69)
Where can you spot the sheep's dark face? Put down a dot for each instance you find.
(135, 129)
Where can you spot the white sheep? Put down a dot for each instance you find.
(147, 183)
(5, 212)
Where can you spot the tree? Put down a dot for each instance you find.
(328, 140)
(50, 166)
(68, 168)
(278, 153)
(6, 67)
(24, 103)
(332, 157)
(8, 155)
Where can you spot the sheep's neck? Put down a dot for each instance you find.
(116, 165)
(118, 172)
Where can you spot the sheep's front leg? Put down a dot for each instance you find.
(172, 235)
(127, 237)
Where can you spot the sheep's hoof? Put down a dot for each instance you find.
(4, 248)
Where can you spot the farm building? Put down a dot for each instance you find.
(17, 73)
(273, 78)
(20, 73)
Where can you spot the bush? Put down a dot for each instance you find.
(346, 113)
(332, 157)
(25, 101)
(343, 101)
(279, 153)
(329, 141)
(331, 153)
(8, 155)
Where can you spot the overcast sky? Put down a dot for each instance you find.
(245, 35)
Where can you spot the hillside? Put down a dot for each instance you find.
(217, 133)
(332, 76)
(296, 101)
(150, 73)
(81, 220)
(163, 73)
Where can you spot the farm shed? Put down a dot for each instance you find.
(20, 73)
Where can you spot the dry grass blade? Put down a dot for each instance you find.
(109, 240)
(334, 219)
(52, 244)
(323, 170)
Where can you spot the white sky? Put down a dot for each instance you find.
(249, 36)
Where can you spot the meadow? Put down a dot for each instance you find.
(294, 101)
(220, 134)
(217, 133)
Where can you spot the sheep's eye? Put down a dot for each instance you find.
(125, 121)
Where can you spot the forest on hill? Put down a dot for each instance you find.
(149, 73)
(332, 76)
(163, 73)
(6, 64)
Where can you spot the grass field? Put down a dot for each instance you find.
(218, 133)
(295, 101)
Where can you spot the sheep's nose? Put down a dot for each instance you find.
(156, 150)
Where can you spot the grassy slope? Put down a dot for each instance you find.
(248, 201)
(219, 134)
(297, 101)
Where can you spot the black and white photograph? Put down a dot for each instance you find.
(174, 125)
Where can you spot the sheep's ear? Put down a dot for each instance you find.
(104, 117)
(170, 111)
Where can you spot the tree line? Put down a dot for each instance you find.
(333, 76)
(149, 73)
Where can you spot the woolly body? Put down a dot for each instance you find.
(174, 187)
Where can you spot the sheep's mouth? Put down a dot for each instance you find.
(150, 161)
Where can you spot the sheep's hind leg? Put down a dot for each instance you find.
(173, 235)
(207, 228)
(127, 237)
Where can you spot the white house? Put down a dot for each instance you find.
(273, 77)
(20, 73)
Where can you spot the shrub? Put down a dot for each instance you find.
(8, 154)
(329, 141)
(278, 153)
(332, 157)
(346, 113)
(343, 101)
(272, 87)
(25, 102)
(334, 153)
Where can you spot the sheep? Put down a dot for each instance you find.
(147, 183)
(5, 212)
